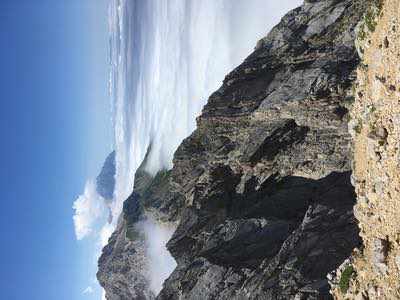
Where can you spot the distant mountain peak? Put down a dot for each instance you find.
(105, 181)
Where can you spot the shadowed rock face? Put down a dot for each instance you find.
(261, 189)
(284, 248)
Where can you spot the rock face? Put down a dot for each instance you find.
(375, 126)
(261, 189)
(123, 265)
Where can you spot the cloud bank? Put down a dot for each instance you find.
(161, 263)
(88, 208)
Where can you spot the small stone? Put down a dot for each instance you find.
(381, 79)
(230, 82)
(378, 157)
(386, 42)
(380, 252)
(360, 296)
(379, 187)
(378, 134)
(372, 291)
(397, 260)
(298, 296)
(362, 200)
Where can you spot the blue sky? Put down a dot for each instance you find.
(55, 132)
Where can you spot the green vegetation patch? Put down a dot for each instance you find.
(370, 19)
(345, 278)
(159, 181)
(131, 233)
(358, 127)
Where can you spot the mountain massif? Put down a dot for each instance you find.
(261, 193)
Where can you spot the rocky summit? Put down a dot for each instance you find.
(261, 191)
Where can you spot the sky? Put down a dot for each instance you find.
(56, 132)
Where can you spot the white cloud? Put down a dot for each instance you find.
(105, 233)
(88, 290)
(103, 295)
(161, 263)
(89, 207)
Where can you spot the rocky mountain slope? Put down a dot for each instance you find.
(374, 271)
(261, 190)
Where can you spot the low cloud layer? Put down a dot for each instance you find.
(105, 233)
(89, 207)
(161, 263)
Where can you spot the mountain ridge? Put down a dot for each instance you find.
(261, 190)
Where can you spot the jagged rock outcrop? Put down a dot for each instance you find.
(123, 265)
(261, 189)
(373, 272)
